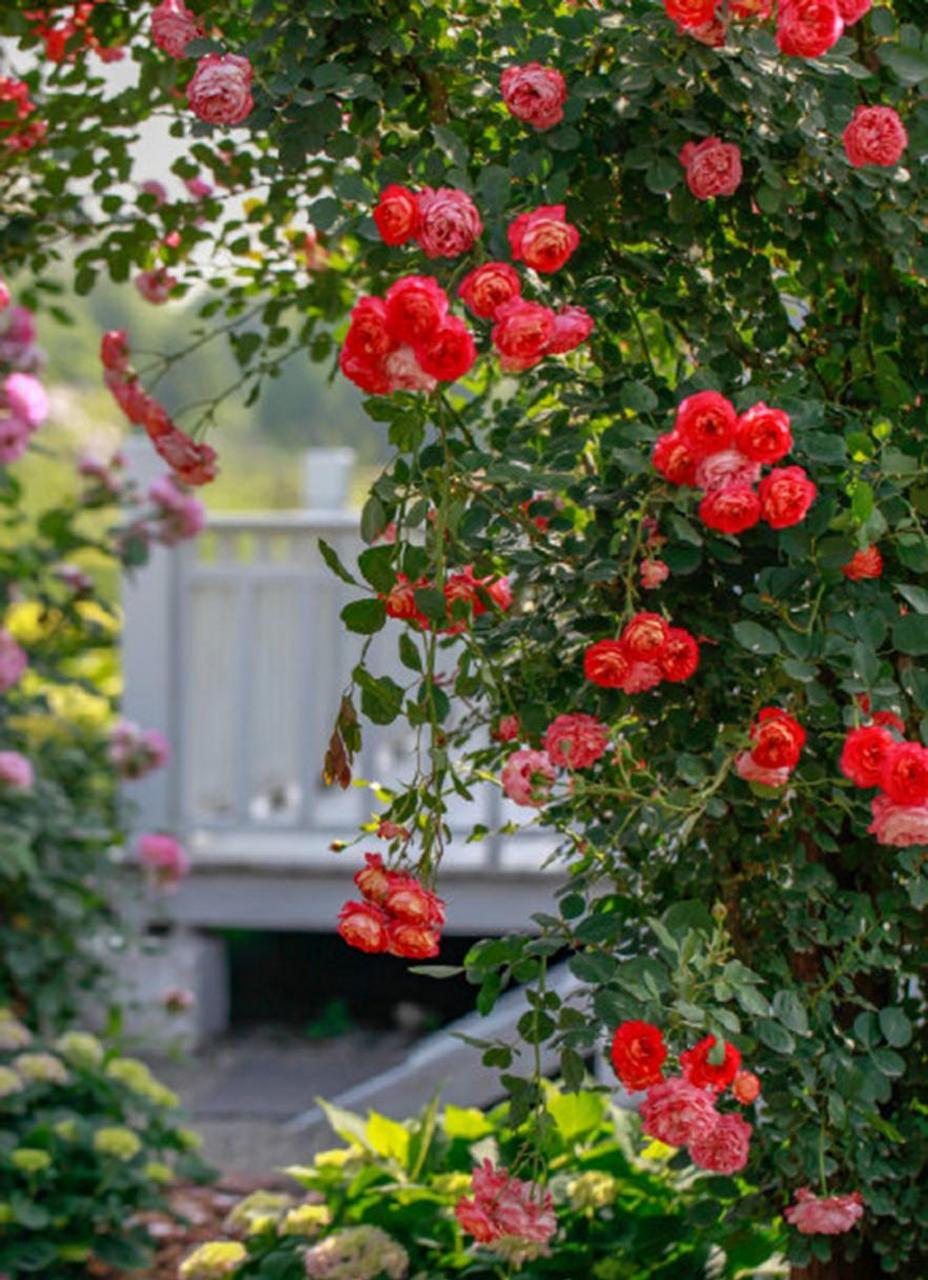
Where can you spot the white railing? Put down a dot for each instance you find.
(233, 646)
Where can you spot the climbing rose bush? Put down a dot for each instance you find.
(650, 264)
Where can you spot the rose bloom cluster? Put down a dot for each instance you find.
(19, 129)
(804, 28)
(681, 1110)
(179, 516)
(219, 91)
(571, 741)
(410, 341)
(23, 409)
(72, 29)
(648, 651)
(466, 596)
(874, 756)
(721, 452)
(398, 914)
(192, 463)
(514, 1218)
(777, 740)
(134, 753)
(16, 771)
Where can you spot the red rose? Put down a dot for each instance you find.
(904, 776)
(192, 462)
(638, 1053)
(572, 326)
(677, 1112)
(889, 719)
(173, 26)
(808, 28)
(542, 239)
(219, 91)
(450, 352)
(644, 638)
(730, 510)
(397, 214)
(864, 755)
(414, 308)
(575, 741)
(407, 900)
(875, 135)
(691, 13)
(368, 336)
(114, 351)
(366, 373)
(864, 564)
(605, 663)
(401, 600)
(522, 333)
(535, 94)
(786, 494)
(674, 459)
(411, 941)
(680, 656)
(852, 11)
(487, 288)
(725, 1148)
(746, 1087)
(364, 926)
(713, 168)
(778, 739)
(705, 423)
(700, 1071)
(763, 434)
(373, 879)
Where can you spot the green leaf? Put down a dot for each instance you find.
(910, 635)
(493, 187)
(381, 697)
(576, 1113)
(916, 596)
(638, 397)
(436, 970)
(910, 66)
(774, 1036)
(663, 175)
(409, 654)
(790, 1010)
(755, 638)
(465, 1122)
(373, 519)
(365, 617)
(431, 602)
(896, 1027)
(887, 1062)
(387, 1137)
(376, 564)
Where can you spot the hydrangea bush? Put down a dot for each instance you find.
(88, 1141)
(625, 283)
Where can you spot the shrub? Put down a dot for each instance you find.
(87, 1141)
(384, 1204)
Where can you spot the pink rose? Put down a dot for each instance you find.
(653, 573)
(678, 1113)
(198, 189)
(824, 1215)
(173, 26)
(747, 767)
(535, 94)
(899, 825)
(157, 190)
(515, 1218)
(164, 857)
(405, 373)
(155, 286)
(876, 135)
(14, 439)
(527, 777)
(16, 771)
(728, 466)
(713, 167)
(509, 729)
(808, 28)
(26, 398)
(220, 89)
(641, 677)
(4, 295)
(572, 327)
(180, 514)
(13, 661)
(725, 1148)
(576, 741)
(449, 223)
(134, 754)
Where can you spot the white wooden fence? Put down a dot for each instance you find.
(234, 648)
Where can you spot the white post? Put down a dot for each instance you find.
(150, 601)
(327, 478)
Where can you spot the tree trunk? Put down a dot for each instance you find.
(864, 1267)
